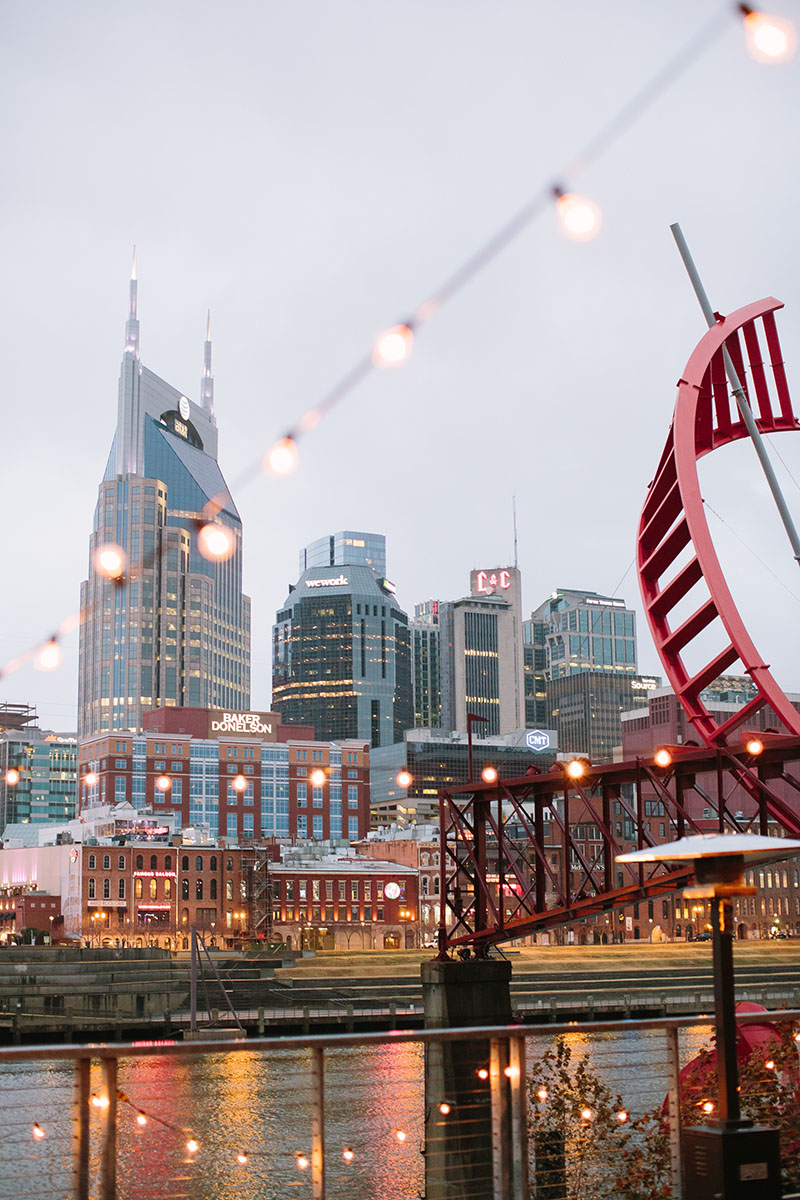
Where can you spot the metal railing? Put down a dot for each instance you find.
(341, 1115)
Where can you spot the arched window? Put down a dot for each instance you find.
(212, 863)
(230, 864)
(198, 890)
(153, 862)
(137, 889)
(185, 863)
(167, 888)
(167, 862)
(184, 889)
(91, 889)
(153, 888)
(121, 862)
(185, 916)
(212, 893)
(198, 863)
(139, 862)
(228, 889)
(121, 889)
(92, 862)
(106, 862)
(106, 889)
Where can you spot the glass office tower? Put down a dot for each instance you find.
(176, 629)
(341, 656)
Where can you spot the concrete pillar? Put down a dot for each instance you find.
(458, 1144)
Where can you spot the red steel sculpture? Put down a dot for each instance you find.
(515, 857)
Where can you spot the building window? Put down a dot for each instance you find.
(121, 862)
(137, 889)
(153, 862)
(167, 888)
(212, 890)
(228, 889)
(91, 889)
(139, 862)
(198, 889)
(106, 889)
(184, 889)
(153, 889)
(185, 863)
(352, 795)
(92, 862)
(121, 889)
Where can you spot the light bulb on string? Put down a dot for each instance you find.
(318, 777)
(347, 1154)
(542, 1094)
(662, 757)
(755, 747)
(216, 542)
(281, 459)
(12, 776)
(769, 39)
(38, 1132)
(404, 779)
(483, 1073)
(192, 1145)
(240, 783)
(90, 779)
(400, 1134)
(302, 1162)
(242, 1158)
(586, 1114)
(163, 783)
(489, 774)
(444, 1109)
(575, 769)
(394, 346)
(622, 1116)
(109, 561)
(141, 1119)
(49, 656)
(580, 218)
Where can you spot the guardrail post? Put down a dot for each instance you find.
(318, 1123)
(519, 1119)
(498, 1061)
(674, 1111)
(108, 1139)
(80, 1131)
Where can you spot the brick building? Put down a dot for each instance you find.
(240, 776)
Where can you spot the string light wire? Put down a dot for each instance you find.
(631, 111)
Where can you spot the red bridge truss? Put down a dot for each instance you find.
(515, 856)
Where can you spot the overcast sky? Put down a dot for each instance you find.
(311, 172)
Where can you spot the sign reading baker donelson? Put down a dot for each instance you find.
(243, 724)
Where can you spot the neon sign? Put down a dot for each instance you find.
(490, 581)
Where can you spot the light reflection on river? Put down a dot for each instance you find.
(261, 1105)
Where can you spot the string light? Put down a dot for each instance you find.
(242, 1158)
(769, 39)
(586, 1114)
(662, 758)
(38, 1132)
(707, 1106)
(394, 346)
(483, 1073)
(622, 1116)
(318, 777)
(240, 783)
(579, 217)
(282, 458)
(216, 542)
(192, 1145)
(542, 1094)
(404, 779)
(90, 779)
(141, 1119)
(302, 1162)
(163, 783)
(12, 776)
(109, 561)
(770, 1064)
(49, 656)
(401, 1135)
(755, 747)
(575, 769)
(489, 774)
(444, 1109)
(347, 1154)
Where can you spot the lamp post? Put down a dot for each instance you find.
(730, 1159)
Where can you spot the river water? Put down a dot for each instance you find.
(259, 1105)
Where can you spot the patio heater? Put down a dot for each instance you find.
(730, 1158)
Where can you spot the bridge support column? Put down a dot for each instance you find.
(469, 1150)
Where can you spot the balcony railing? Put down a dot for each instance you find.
(346, 1115)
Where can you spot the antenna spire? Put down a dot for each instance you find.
(132, 325)
(514, 512)
(207, 381)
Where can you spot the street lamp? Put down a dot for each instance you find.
(727, 1157)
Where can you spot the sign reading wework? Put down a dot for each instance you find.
(336, 581)
(243, 724)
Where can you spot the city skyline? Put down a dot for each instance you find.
(563, 353)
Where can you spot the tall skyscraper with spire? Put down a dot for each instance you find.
(174, 629)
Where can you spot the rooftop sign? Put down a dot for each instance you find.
(334, 581)
(244, 724)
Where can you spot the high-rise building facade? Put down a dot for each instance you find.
(341, 656)
(425, 665)
(348, 548)
(584, 631)
(481, 653)
(175, 629)
(38, 769)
